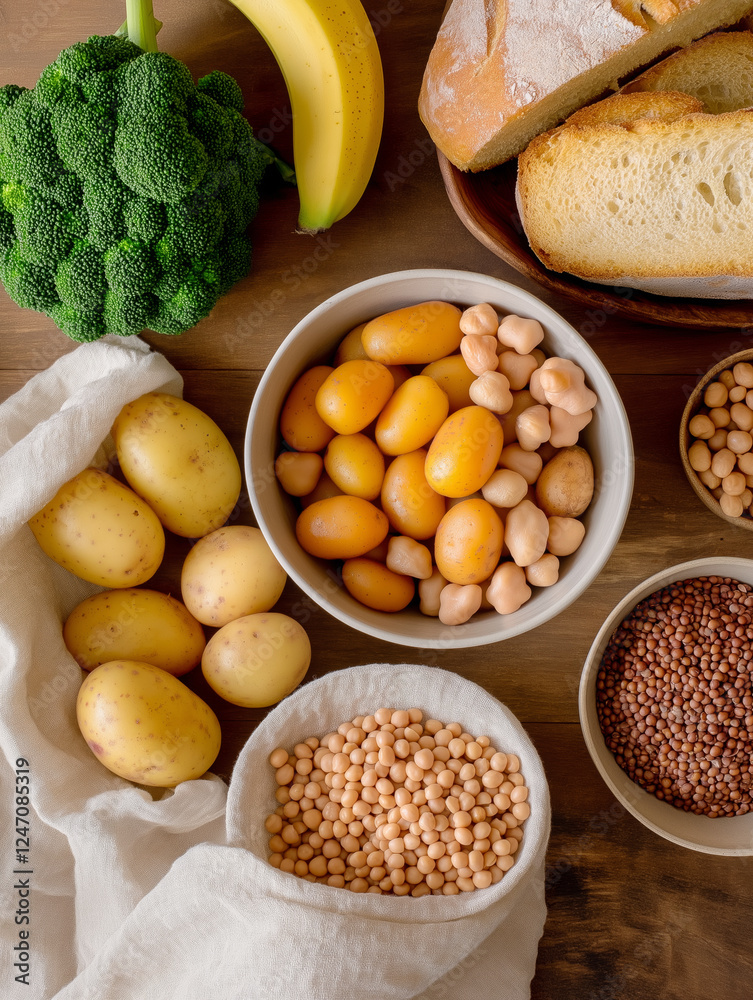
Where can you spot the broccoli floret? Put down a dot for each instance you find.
(195, 225)
(29, 284)
(9, 94)
(154, 82)
(212, 126)
(81, 326)
(145, 219)
(156, 155)
(130, 265)
(105, 198)
(85, 137)
(80, 280)
(127, 312)
(28, 153)
(236, 260)
(221, 88)
(125, 188)
(67, 191)
(46, 231)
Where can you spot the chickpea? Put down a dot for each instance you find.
(532, 427)
(518, 368)
(522, 335)
(479, 353)
(492, 390)
(458, 603)
(715, 395)
(480, 319)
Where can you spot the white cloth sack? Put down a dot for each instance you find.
(96, 843)
(225, 923)
(139, 893)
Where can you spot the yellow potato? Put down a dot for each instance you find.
(179, 461)
(257, 660)
(100, 530)
(146, 725)
(134, 624)
(565, 486)
(464, 452)
(229, 573)
(454, 376)
(300, 425)
(413, 335)
(412, 416)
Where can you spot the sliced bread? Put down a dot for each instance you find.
(662, 205)
(717, 69)
(502, 71)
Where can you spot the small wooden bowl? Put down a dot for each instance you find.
(485, 204)
(693, 406)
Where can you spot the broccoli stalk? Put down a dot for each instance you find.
(126, 188)
(141, 25)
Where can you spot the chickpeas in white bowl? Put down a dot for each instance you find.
(329, 575)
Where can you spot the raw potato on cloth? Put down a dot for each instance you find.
(143, 894)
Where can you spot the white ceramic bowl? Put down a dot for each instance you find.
(729, 835)
(314, 340)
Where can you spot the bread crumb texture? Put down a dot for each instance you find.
(661, 200)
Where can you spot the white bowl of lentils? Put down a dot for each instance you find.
(666, 704)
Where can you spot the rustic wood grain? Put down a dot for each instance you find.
(631, 916)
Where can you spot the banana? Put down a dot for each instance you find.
(329, 58)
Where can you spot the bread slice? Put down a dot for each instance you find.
(661, 205)
(502, 71)
(717, 69)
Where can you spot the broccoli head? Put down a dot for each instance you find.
(126, 190)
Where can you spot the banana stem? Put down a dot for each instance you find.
(141, 24)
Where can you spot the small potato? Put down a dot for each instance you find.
(355, 465)
(413, 335)
(353, 394)
(229, 573)
(341, 527)
(257, 660)
(179, 461)
(145, 725)
(454, 376)
(101, 531)
(468, 542)
(134, 624)
(350, 347)
(412, 506)
(300, 425)
(375, 585)
(566, 485)
(413, 415)
(464, 452)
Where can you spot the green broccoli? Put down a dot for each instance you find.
(126, 189)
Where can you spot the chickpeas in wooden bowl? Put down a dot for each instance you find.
(716, 439)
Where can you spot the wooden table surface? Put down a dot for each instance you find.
(630, 915)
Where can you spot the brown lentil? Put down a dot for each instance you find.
(397, 822)
(674, 695)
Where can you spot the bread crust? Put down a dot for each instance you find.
(502, 71)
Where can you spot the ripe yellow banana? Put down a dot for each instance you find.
(328, 55)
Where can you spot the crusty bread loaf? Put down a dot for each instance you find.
(717, 69)
(665, 205)
(503, 71)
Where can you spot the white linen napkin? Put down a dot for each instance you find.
(131, 893)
